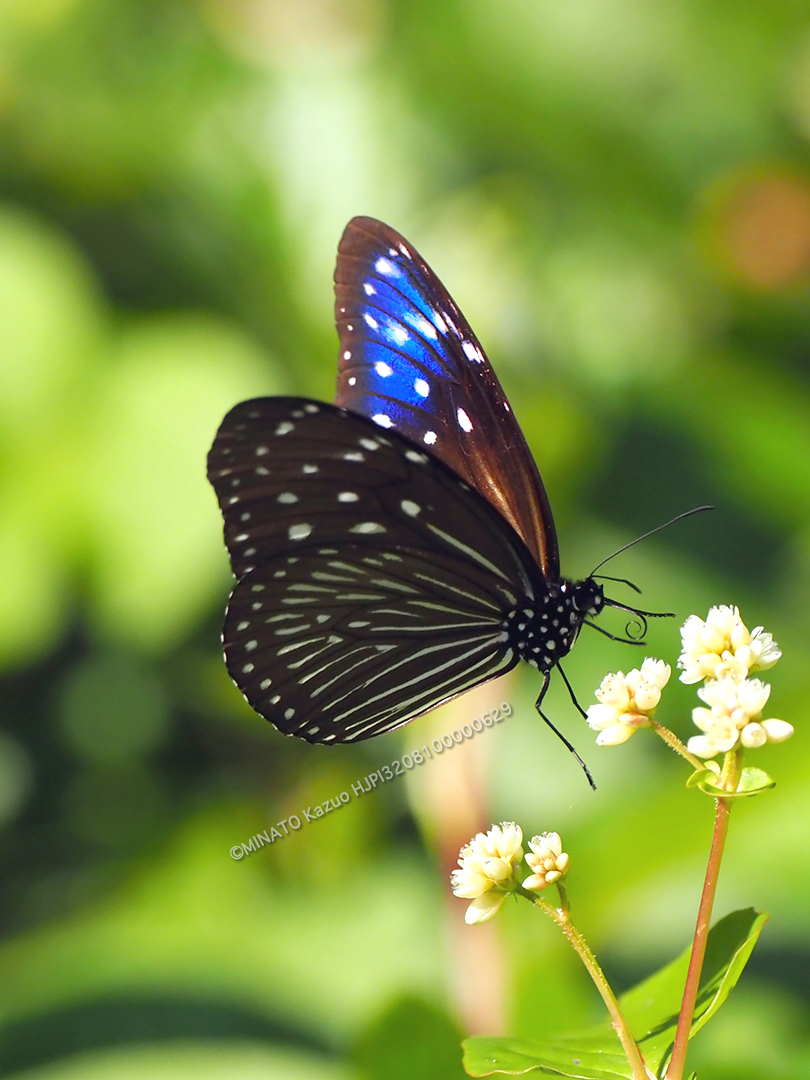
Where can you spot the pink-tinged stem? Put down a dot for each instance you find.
(678, 1059)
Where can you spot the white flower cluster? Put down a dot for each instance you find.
(722, 646)
(627, 702)
(547, 859)
(488, 870)
(724, 652)
(489, 867)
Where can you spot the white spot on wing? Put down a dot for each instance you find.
(411, 508)
(299, 532)
(370, 321)
(429, 437)
(383, 420)
(385, 266)
(287, 497)
(383, 369)
(369, 444)
(284, 428)
(369, 288)
(352, 381)
(367, 528)
(421, 387)
(348, 496)
(464, 421)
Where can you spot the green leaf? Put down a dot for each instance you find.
(651, 1010)
(752, 782)
(587, 1056)
(412, 1038)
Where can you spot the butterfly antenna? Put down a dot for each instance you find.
(621, 580)
(628, 630)
(658, 528)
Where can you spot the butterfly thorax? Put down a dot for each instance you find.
(544, 630)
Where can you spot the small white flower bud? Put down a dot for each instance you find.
(701, 746)
(777, 730)
(484, 908)
(753, 736)
(647, 697)
(614, 735)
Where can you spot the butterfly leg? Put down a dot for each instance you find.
(571, 693)
(559, 734)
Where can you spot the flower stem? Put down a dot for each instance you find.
(618, 1022)
(690, 992)
(675, 743)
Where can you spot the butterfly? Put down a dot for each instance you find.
(396, 548)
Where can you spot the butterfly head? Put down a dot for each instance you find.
(587, 597)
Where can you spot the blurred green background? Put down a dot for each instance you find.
(618, 196)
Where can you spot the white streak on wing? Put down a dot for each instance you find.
(383, 583)
(368, 649)
(389, 718)
(461, 592)
(488, 643)
(487, 640)
(430, 628)
(470, 552)
(288, 631)
(298, 645)
(300, 663)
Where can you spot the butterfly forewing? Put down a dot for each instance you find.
(410, 362)
(373, 581)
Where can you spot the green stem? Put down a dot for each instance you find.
(618, 1022)
(690, 991)
(675, 743)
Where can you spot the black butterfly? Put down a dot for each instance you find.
(396, 548)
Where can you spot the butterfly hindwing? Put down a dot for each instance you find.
(373, 581)
(409, 361)
(342, 643)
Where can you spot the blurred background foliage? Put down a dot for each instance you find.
(618, 196)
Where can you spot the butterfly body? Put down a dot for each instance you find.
(543, 633)
(396, 548)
